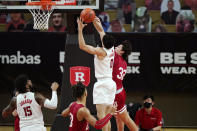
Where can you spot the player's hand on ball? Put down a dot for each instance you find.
(80, 24)
(98, 25)
(54, 86)
(96, 20)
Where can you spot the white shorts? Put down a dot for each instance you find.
(104, 91)
(33, 128)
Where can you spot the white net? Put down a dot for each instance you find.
(41, 17)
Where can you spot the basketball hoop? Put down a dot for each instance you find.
(41, 11)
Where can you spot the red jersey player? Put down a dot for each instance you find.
(16, 121)
(80, 115)
(119, 70)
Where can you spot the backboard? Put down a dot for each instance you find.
(61, 5)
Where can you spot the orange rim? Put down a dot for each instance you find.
(46, 5)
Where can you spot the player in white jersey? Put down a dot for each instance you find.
(105, 88)
(28, 105)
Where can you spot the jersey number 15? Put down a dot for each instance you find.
(27, 111)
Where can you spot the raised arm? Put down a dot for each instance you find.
(99, 28)
(84, 113)
(83, 46)
(45, 102)
(10, 108)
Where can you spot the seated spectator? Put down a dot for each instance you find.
(148, 118)
(169, 16)
(185, 21)
(192, 4)
(153, 4)
(116, 26)
(104, 17)
(164, 5)
(16, 24)
(160, 28)
(126, 9)
(57, 23)
(142, 21)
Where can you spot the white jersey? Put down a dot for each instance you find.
(29, 111)
(103, 68)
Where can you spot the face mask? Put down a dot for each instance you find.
(147, 105)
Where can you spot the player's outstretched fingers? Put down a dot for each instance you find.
(54, 86)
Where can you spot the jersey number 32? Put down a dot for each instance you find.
(122, 73)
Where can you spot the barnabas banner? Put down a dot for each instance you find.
(39, 55)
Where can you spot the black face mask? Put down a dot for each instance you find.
(147, 105)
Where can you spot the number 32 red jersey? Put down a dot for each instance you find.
(119, 70)
(75, 124)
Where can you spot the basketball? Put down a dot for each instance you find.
(87, 15)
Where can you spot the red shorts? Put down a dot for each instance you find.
(120, 100)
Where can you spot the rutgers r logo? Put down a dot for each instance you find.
(80, 73)
(79, 76)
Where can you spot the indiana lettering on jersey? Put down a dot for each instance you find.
(25, 102)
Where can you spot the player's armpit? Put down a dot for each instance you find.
(10, 108)
(40, 99)
(100, 52)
